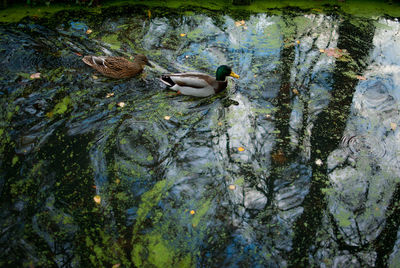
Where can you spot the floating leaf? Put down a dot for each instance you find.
(121, 104)
(192, 212)
(335, 52)
(279, 157)
(89, 31)
(97, 199)
(167, 117)
(110, 94)
(149, 13)
(298, 42)
(219, 123)
(393, 126)
(359, 77)
(35, 76)
(295, 91)
(117, 181)
(318, 162)
(240, 149)
(78, 54)
(245, 27)
(232, 187)
(182, 34)
(94, 77)
(239, 23)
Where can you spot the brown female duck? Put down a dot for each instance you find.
(117, 67)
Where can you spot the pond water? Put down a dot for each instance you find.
(296, 164)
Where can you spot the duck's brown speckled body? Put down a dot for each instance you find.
(117, 67)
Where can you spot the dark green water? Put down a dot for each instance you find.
(295, 165)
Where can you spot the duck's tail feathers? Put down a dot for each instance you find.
(88, 60)
(167, 80)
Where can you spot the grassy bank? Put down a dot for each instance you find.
(362, 8)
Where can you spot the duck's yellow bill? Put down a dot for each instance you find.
(234, 75)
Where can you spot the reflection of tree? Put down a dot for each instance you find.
(385, 242)
(281, 150)
(326, 135)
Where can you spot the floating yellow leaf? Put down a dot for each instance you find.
(245, 27)
(89, 31)
(359, 77)
(239, 23)
(94, 76)
(393, 126)
(219, 123)
(295, 91)
(322, 50)
(97, 199)
(35, 76)
(182, 34)
(167, 117)
(241, 149)
(117, 181)
(298, 42)
(268, 116)
(121, 104)
(232, 187)
(192, 212)
(149, 13)
(255, 76)
(110, 94)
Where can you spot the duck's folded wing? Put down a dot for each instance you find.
(194, 80)
(104, 61)
(95, 61)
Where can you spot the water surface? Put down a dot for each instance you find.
(296, 164)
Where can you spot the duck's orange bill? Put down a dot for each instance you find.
(234, 75)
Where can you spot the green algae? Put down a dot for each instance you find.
(158, 253)
(199, 214)
(149, 201)
(14, 160)
(60, 107)
(112, 40)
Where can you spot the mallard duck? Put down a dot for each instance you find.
(198, 84)
(117, 67)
